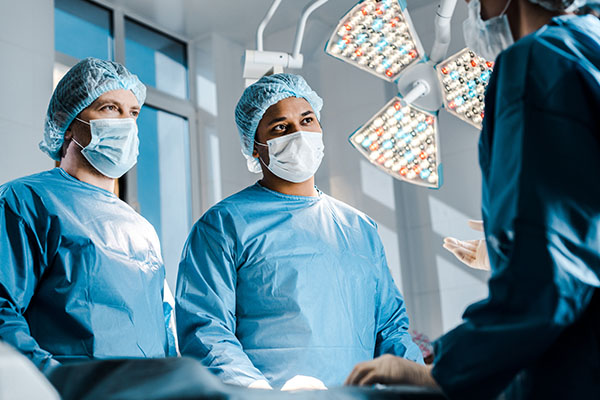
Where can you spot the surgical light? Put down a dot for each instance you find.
(378, 37)
(464, 78)
(402, 141)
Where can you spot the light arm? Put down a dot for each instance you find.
(443, 19)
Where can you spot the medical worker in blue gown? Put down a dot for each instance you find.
(537, 335)
(280, 280)
(81, 274)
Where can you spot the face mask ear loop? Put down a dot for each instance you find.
(260, 159)
(77, 143)
(262, 162)
(73, 139)
(82, 121)
(505, 8)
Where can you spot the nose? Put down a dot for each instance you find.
(293, 127)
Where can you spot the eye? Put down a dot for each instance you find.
(109, 107)
(135, 113)
(279, 128)
(308, 120)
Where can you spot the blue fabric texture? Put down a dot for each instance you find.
(271, 286)
(258, 97)
(561, 5)
(542, 224)
(82, 275)
(80, 87)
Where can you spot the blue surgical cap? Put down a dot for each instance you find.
(258, 97)
(79, 88)
(563, 5)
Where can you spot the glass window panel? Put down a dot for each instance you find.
(159, 60)
(83, 29)
(58, 72)
(163, 181)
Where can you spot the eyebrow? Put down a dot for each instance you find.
(304, 114)
(109, 100)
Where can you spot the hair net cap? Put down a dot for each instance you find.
(258, 97)
(80, 87)
(563, 5)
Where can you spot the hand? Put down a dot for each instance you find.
(301, 382)
(389, 369)
(470, 252)
(260, 384)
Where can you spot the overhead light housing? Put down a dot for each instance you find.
(464, 78)
(377, 37)
(402, 141)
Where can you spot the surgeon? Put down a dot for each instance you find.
(537, 335)
(281, 285)
(81, 272)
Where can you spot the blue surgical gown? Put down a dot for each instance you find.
(81, 273)
(272, 285)
(538, 332)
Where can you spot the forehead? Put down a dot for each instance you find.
(290, 107)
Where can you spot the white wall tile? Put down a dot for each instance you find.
(389, 238)
(26, 61)
(459, 289)
(28, 24)
(425, 312)
(377, 185)
(19, 153)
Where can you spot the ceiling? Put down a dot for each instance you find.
(235, 19)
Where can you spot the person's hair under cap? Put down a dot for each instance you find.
(80, 87)
(258, 97)
(563, 5)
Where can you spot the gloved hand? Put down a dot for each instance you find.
(470, 252)
(302, 382)
(391, 370)
(260, 384)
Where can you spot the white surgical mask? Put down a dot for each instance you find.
(295, 157)
(114, 147)
(487, 38)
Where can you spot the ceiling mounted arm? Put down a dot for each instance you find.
(443, 20)
(302, 25)
(258, 63)
(264, 23)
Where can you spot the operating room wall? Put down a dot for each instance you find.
(219, 85)
(26, 62)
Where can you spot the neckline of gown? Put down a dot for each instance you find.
(308, 199)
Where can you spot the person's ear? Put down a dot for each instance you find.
(66, 142)
(255, 152)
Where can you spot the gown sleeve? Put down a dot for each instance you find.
(393, 335)
(206, 303)
(540, 163)
(22, 261)
(169, 313)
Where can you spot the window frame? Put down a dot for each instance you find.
(157, 99)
